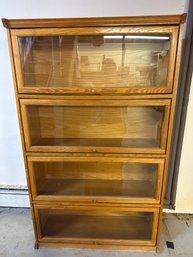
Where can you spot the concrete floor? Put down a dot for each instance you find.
(16, 238)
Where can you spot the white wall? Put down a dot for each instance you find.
(11, 161)
(184, 197)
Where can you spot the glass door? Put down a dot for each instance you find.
(95, 60)
(83, 224)
(125, 126)
(96, 179)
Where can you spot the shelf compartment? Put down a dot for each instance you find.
(96, 125)
(120, 60)
(106, 225)
(96, 178)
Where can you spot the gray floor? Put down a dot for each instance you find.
(16, 238)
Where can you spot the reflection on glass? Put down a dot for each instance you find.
(101, 179)
(95, 126)
(95, 61)
(118, 225)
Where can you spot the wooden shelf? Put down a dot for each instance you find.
(133, 226)
(97, 187)
(98, 142)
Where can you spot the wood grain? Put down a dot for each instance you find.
(13, 67)
(171, 122)
(95, 21)
(95, 97)
(128, 248)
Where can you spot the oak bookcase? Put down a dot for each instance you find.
(96, 101)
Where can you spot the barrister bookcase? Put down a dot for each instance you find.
(96, 101)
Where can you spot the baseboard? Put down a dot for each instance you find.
(14, 198)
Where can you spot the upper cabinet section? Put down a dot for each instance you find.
(95, 60)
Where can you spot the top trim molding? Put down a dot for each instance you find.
(92, 22)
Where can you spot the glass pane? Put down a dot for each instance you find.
(96, 224)
(95, 61)
(92, 126)
(100, 179)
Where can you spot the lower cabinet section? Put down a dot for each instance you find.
(121, 226)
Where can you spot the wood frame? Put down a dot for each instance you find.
(122, 248)
(159, 30)
(89, 24)
(94, 21)
(95, 199)
(98, 241)
(82, 103)
(176, 80)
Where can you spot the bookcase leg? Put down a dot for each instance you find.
(36, 246)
